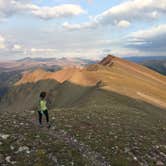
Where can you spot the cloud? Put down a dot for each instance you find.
(11, 7)
(79, 26)
(6, 8)
(136, 9)
(126, 13)
(40, 52)
(17, 47)
(123, 24)
(152, 39)
(2, 42)
(66, 10)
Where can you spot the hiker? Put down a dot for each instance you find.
(43, 109)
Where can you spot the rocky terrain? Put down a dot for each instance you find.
(113, 131)
(91, 125)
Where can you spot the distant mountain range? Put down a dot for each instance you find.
(44, 63)
(54, 64)
(140, 59)
(156, 63)
(11, 71)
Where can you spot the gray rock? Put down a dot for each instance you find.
(159, 163)
(8, 160)
(11, 147)
(4, 136)
(126, 150)
(23, 149)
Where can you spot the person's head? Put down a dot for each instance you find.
(43, 95)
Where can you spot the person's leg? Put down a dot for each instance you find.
(47, 116)
(40, 117)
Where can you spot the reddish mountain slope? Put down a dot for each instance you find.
(115, 74)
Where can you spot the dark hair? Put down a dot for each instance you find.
(42, 95)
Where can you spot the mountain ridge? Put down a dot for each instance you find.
(95, 117)
(114, 74)
(120, 129)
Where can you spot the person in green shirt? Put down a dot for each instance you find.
(43, 109)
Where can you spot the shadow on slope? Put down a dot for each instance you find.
(25, 97)
(65, 95)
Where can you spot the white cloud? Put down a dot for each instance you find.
(10, 7)
(6, 8)
(135, 9)
(152, 39)
(17, 47)
(66, 10)
(150, 33)
(123, 24)
(2, 42)
(78, 26)
(40, 50)
(130, 11)
(124, 52)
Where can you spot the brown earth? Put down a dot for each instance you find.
(113, 74)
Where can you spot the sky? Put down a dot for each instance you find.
(82, 28)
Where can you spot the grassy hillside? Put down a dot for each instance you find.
(90, 126)
(7, 79)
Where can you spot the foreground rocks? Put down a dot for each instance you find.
(22, 142)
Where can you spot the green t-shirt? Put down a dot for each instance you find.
(43, 105)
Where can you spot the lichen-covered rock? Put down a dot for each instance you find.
(23, 149)
(4, 136)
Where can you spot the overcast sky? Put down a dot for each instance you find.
(82, 28)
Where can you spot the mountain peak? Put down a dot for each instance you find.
(108, 60)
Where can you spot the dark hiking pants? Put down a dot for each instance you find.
(40, 116)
